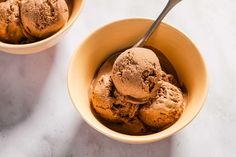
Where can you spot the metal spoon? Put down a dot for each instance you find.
(169, 6)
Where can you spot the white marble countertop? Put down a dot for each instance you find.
(37, 118)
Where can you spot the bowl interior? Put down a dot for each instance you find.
(181, 52)
(48, 42)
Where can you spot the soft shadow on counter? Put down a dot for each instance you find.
(89, 142)
(22, 78)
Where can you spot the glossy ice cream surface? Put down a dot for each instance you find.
(134, 94)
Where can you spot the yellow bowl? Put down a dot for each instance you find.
(176, 46)
(45, 43)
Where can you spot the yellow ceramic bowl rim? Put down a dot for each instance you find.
(143, 138)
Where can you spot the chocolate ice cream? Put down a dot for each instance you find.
(42, 18)
(102, 99)
(112, 106)
(133, 94)
(135, 73)
(10, 25)
(165, 109)
(26, 21)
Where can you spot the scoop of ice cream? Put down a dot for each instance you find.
(102, 100)
(106, 100)
(42, 18)
(102, 92)
(166, 109)
(10, 27)
(135, 73)
(109, 104)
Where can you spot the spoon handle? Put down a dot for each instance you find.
(169, 6)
